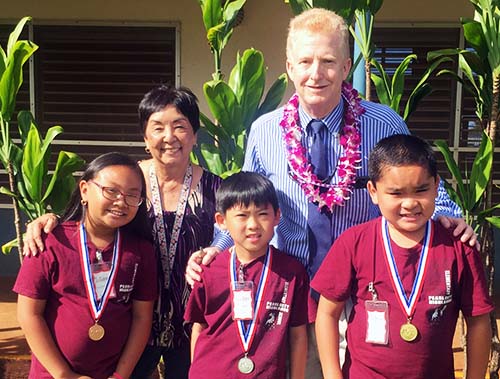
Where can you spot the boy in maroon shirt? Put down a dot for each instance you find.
(249, 311)
(407, 276)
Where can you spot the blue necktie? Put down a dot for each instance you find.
(319, 223)
(317, 132)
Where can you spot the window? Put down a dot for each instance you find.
(90, 79)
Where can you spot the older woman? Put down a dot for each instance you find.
(182, 209)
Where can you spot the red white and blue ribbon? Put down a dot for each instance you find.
(97, 303)
(247, 334)
(408, 304)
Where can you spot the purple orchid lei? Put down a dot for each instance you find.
(350, 140)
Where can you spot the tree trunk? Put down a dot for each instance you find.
(17, 218)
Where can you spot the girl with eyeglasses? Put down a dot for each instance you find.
(86, 304)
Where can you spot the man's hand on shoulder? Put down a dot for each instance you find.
(461, 228)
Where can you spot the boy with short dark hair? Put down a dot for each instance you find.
(408, 278)
(249, 312)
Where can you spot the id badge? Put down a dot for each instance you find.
(100, 275)
(377, 322)
(242, 301)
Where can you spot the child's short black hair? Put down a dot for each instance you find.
(243, 189)
(401, 150)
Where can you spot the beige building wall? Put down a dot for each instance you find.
(263, 27)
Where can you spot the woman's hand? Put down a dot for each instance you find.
(193, 268)
(32, 239)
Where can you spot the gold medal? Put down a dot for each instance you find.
(96, 332)
(408, 332)
(245, 365)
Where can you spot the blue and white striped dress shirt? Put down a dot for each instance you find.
(266, 155)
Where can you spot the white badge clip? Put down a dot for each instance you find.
(377, 319)
(242, 301)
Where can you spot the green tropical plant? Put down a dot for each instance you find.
(480, 65)
(390, 90)
(234, 103)
(364, 17)
(33, 189)
(470, 188)
(219, 19)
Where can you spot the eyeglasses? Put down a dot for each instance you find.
(112, 193)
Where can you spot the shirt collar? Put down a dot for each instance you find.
(331, 120)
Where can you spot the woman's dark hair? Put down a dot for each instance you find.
(245, 188)
(159, 97)
(401, 150)
(75, 211)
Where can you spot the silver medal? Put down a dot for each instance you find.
(245, 365)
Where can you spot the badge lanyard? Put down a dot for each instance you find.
(246, 334)
(168, 258)
(408, 304)
(97, 302)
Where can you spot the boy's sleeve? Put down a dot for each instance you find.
(300, 297)
(195, 308)
(334, 277)
(474, 297)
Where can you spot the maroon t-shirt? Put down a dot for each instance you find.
(284, 305)
(56, 276)
(454, 281)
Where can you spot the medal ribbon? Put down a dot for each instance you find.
(168, 257)
(408, 304)
(97, 306)
(246, 334)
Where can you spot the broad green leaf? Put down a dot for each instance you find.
(212, 158)
(14, 36)
(231, 9)
(24, 121)
(382, 84)
(223, 105)
(453, 169)
(398, 81)
(489, 211)
(51, 134)
(416, 96)
(273, 97)
(7, 247)
(13, 76)
(250, 86)
(59, 197)
(3, 61)
(452, 193)
(212, 129)
(474, 36)
(495, 221)
(67, 163)
(8, 192)
(32, 170)
(481, 170)
(211, 12)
